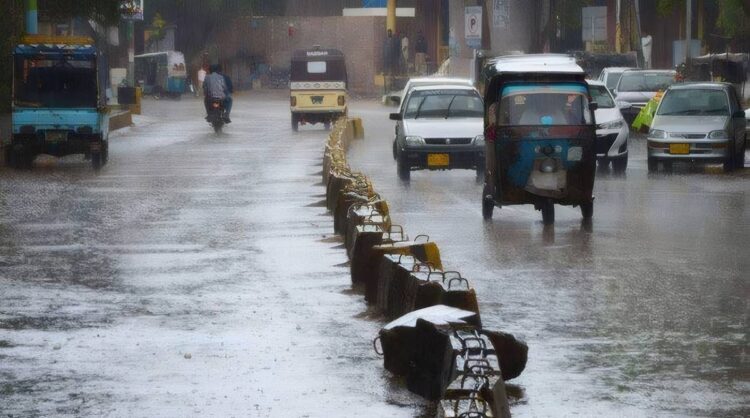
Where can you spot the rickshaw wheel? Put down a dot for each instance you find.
(488, 206)
(548, 212)
(295, 123)
(587, 210)
(653, 165)
(96, 160)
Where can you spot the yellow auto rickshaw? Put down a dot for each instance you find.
(318, 83)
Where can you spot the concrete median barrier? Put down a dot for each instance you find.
(436, 341)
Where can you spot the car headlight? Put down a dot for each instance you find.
(720, 134)
(479, 140)
(414, 140)
(657, 134)
(617, 124)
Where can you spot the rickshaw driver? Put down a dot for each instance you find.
(547, 109)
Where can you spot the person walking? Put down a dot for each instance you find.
(201, 79)
(404, 54)
(420, 56)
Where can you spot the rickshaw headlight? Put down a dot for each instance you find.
(657, 134)
(548, 165)
(342, 100)
(414, 140)
(479, 140)
(293, 101)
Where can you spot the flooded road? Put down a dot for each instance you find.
(197, 275)
(644, 312)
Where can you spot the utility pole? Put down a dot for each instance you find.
(618, 28)
(390, 22)
(688, 28)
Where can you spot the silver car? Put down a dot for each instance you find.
(698, 122)
(638, 87)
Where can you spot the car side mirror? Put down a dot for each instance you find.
(614, 92)
(739, 114)
(396, 116)
(593, 106)
(623, 105)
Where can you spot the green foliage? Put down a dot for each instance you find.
(734, 16)
(104, 11)
(667, 7)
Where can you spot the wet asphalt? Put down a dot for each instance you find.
(197, 275)
(643, 312)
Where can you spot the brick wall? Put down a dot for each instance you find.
(267, 40)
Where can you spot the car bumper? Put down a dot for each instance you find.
(703, 150)
(612, 143)
(459, 157)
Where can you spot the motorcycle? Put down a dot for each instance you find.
(216, 116)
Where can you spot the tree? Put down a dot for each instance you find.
(733, 18)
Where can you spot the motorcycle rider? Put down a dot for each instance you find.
(230, 90)
(214, 88)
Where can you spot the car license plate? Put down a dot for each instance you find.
(679, 148)
(56, 136)
(438, 160)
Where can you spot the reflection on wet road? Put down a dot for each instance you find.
(193, 276)
(643, 312)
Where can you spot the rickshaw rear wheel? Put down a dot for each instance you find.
(587, 210)
(488, 206)
(96, 160)
(548, 212)
(620, 165)
(295, 122)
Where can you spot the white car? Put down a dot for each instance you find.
(610, 76)
(612, 131)
(440, 127)
(428, 81)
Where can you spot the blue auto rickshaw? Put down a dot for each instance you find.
(540, 135)
(58, 105)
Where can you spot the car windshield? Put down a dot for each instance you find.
(612, 79)
(444, 104)
(544, 104)
(601, 96)
(50, 83)
(646, 82)
(694, 102)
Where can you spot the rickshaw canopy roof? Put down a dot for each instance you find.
(729, 57)
(317, 54)
(534, 63)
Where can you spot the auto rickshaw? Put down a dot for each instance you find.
(318, 84)
(540, 135)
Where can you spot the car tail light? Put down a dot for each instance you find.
(342, 100)
(293, 101)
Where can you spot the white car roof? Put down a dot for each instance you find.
(618, 69)
(595, 83)
(443, 86)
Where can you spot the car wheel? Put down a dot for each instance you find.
(729, 163)
(395, 152)
(488, 204)
(96, 160)
(653, 165)
(620, 165)
(404, 171)
(587, 210)
(668, 166)
(548, 212)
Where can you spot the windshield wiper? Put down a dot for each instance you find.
(448, 112)
(419, 108)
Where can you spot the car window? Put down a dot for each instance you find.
(694, 102)
(443, 104)
(601, 96)
(645, 82)
(612, 79)
(544, 104)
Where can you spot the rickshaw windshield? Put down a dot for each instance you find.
(547, 104)
(318, 70)
(55, 83)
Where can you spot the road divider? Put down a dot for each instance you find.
(435, 339)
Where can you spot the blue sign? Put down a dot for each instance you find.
(374, 3)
